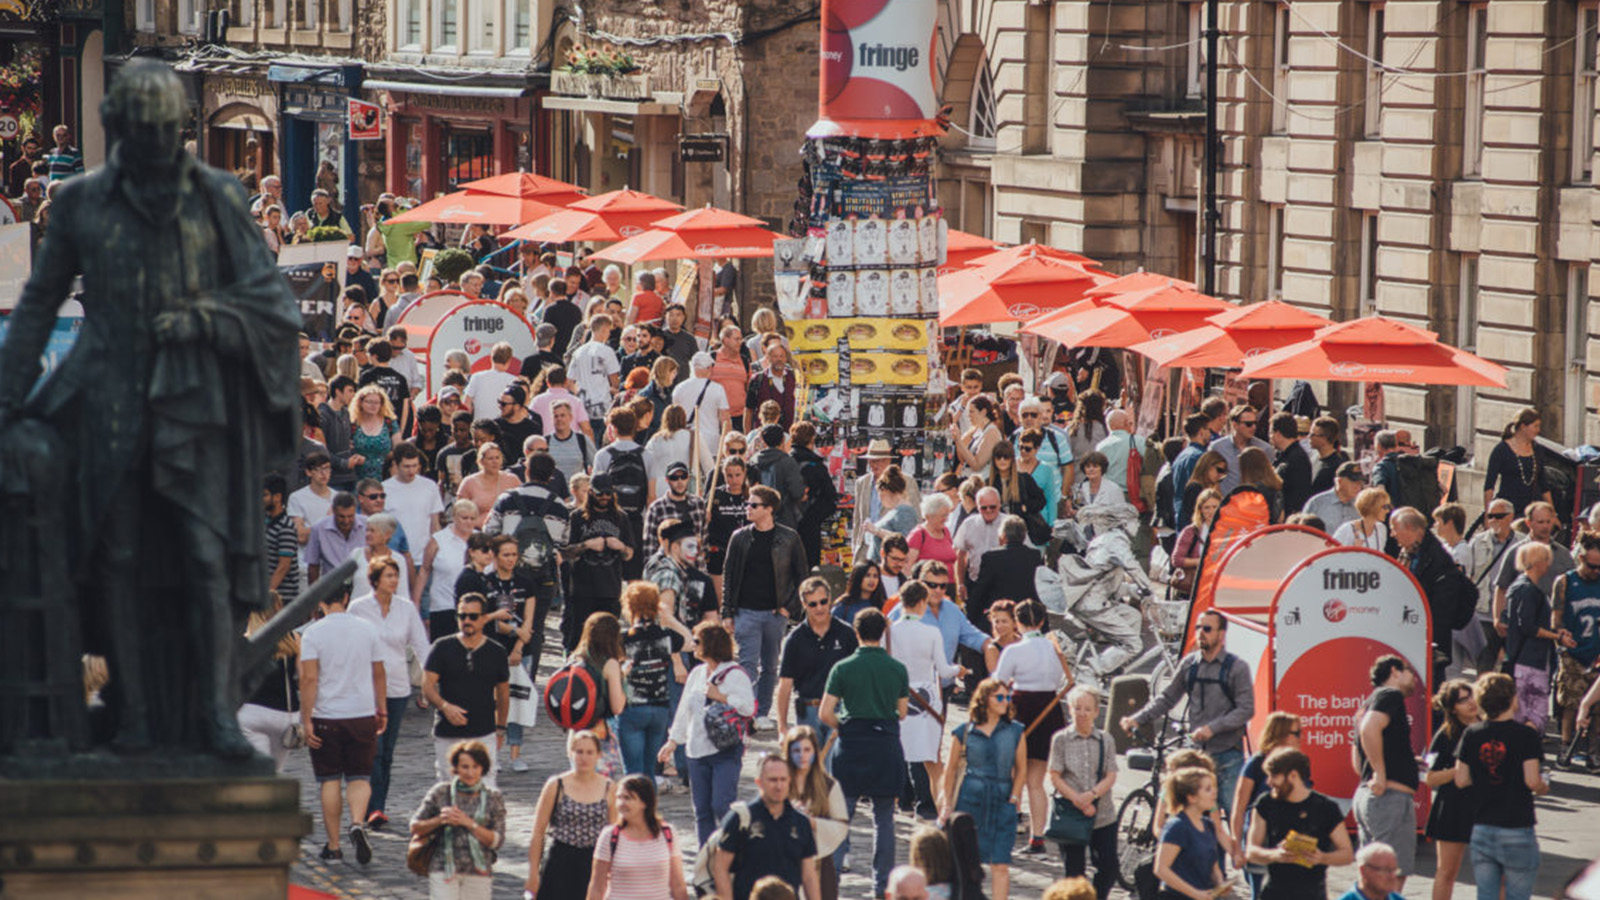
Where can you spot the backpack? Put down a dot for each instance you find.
(1419, 483)
(1135, 478)
(962, 833)
(630, 479)
(1192, 677)
(539, 531)
(822, 499)
(1465, 592)
(575, 696)
(700, 880)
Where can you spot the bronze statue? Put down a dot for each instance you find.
(181, 392)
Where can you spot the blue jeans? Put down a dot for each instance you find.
(1508, 856)
(713, 786)
(1229, 764)
(760, 637)
(882, 840)
(642, 729)
(396, 707)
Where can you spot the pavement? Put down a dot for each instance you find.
(1567, 841)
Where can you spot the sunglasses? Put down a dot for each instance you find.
(679, 477)
(1026, 449)
(936, 585)
(1498, 515)
(754, 505)
(1003, 698)
(818, 603)
(469, 617)
(1295, 732)
(1030, 415)
(1205, 629)
(375, 496)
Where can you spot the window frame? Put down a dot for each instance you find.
(1475, 99)
(1372, 110)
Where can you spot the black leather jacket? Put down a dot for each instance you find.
(788, 565)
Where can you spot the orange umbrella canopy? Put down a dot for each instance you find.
(1114, 326)
(1033, 249)
(961, 248)
(607, 217)
(528, 186)
(1234, 336)
(475, 208)
(706, 233)
(1014, 290)
(1376, 349)
(1139, 281)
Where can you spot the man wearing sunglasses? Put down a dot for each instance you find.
(1221, 694)
(677, 503)
(467, 679)
(1489, 545)
(1245, 422)
(765, 567)
(809, 654)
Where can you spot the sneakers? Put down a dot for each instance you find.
(376, 819)
(330, 853)
(358, 839)
(519, 765)
(764, 723)
(1035, 847)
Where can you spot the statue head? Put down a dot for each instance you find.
(144, 111)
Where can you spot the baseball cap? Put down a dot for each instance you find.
(450, 391)
(355, 252)
(1057, 380)
(602, 484)
(702, 360)
(677, 468)
(1351, 471)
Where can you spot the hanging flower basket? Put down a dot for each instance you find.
(592, 72)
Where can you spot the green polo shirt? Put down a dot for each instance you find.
(869, 684)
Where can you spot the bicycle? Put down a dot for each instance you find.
(1136, 817)
(1164, 618)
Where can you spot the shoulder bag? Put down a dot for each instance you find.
(1068, 824)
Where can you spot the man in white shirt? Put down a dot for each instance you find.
(597, 370)
(403, 360)
(413, 499)
(707, 406)
(482, 396)
(977, 535)
(342, 709)
(314, 502)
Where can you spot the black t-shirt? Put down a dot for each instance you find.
(759, 585)
(508, 594)
(1316, 816)
(512, 435)
(533, 365)
(565, 316)
(1324, 469)
(1494, 753)
(808, 658)
(1399, 763)
(471, 581)
(598, 573)
(650, 648)
(699, 597)
(392, 382)
(467, 679)
(724, 516)
(768, 846)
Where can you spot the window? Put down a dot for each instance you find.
(445, 26)
(189, 17)
(1280, 69)
(272, 14)
(411, 24)
(519, 26)
(1572, 420)
(1467, 339)
(468, 156)
(984, 118)
(343, 10)
(1373, 106)
(309, 14)
(242, 13)
(480, 16)
(1195, 76)
(1369, 264)
(146, 14)
(1038, 78)
(1275, 251)
(1583, 68)
(1477, 48)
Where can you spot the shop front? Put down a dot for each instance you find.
(437, 142)
(313, 139)
(240, 111)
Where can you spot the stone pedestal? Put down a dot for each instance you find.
(199, 838)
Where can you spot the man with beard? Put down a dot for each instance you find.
(1292, 806)
(602, 539)
(689, 593)
(678, 504)
(467, 680)
(535, 517)
(182, 392)
(1388, 767)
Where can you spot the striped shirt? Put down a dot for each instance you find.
(65, 162)
(283, 543)
(640, 870)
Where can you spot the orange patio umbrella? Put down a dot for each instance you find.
(1234, 336)
(1035, 249)
(961, 248)
(1012, 291)
(607, 217)
(476, 208)
(706, 233)
(1130, 318)
(528, 186)
(1139, 281)
(1376, 349)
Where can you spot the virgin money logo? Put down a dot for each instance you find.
(1160, 333)
(473, 346)
(1347, 370)
(458, 212)
(630, 230)
(707, 249)
(1334, 610)
(1023, 310)
(1254, 351)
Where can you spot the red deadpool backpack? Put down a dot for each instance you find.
(575, 696)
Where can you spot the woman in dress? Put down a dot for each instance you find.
(375, 431)
(975, 446)
(1191, 541)
(672, 443)
(932, 539)
(1003, 632)
(469, 818)
(1189, 857)
(1036, 669)
(988, 758)
(1209, 470)
(1514, 471)
(636, 858)
(1255, 470)
(1450, 814)
(1282, 730)
(1369, 530)
(920, 648)
(1095, 487)
(486, 485)
(573, 809)
(1083, 769)
(816, 794)
(864, 589)
(713, 773)
(898, 517)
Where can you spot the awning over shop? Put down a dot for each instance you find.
(614, 107)
(241, 116)
(412, 87)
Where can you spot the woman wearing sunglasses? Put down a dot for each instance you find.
(988, 759)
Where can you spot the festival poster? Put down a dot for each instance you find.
(812, 335)
(316, 288)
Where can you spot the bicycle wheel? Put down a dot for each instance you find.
(1136, 837)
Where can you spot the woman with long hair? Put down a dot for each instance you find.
(975, 446)
(725, 513)
(864, 589)
(486, 485)
(274, 708)
(573, 809)
(653, 662)
(399, 628)
(713, 772)
(1189, 857)
(1083, 769)
(469, 818)
(600, 648)
(1036, 669)
(1209, 471)
(376, 431)
(814, 792)
(636, 857)
(1020, 495)
(1088, 427)
(1255, 470)
(1450, 815)
(988, 759)
(1192, 540)
(663, 373)
(672, 443)
(1282, 730)
(898, 517)
(1514, 472)
(1371, 529)
(930, 853)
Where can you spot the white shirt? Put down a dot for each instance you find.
(1345, 536)
(413, 504)
(483, 392)
(405, 362)
(309, 509)
(920, 647)
(1110, 493)
(689, 725)
(1031, 664)
(663, 451)
(977, 537)
(359, 585)
(708, 419)
(593, 364)
(401, 628)
(448, 562)
(345, 648)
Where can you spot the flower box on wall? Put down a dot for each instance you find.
(635, 86)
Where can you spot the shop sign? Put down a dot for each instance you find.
(701, 148)
(465, 103)
(366, 120)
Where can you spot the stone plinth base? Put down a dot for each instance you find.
(199, 839)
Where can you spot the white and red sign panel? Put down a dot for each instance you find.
(1335, 614)
(474, 328)
(877, 73)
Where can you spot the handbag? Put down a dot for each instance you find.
(294, 737)
(419, 853)
(1068, 824)
(725, 727)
